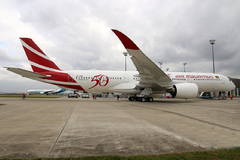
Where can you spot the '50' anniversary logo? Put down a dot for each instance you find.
(101, 80)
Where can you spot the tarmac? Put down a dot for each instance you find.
(75, 127)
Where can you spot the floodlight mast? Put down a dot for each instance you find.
(184, 64)
(212, 42)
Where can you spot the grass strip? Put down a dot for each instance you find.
(222, 154)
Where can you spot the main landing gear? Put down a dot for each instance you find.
(141, 99)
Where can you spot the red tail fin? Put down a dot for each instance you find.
(39, 61)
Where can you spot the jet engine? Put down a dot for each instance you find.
(184, 90)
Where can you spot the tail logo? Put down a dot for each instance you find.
(101, 80)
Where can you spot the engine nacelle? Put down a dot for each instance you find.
(184, 90)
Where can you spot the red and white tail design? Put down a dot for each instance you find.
(39, 61)
(47, 70)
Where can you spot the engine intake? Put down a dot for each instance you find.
(184, 90)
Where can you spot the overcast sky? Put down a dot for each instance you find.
(76, 34)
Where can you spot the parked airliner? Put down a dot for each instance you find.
(45, 91)
(147, 82)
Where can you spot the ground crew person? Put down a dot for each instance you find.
(23, 96)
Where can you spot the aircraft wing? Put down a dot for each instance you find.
(25, 73)
(149, 72)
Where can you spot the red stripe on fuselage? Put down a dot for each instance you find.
(78, 87)
(59, 76)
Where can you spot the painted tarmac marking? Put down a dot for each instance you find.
(62, 129)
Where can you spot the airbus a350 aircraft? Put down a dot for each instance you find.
(147, 82)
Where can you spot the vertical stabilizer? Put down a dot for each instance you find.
(39, 61)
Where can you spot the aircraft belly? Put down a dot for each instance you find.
(128, 91)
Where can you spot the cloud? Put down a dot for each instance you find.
(77, 34)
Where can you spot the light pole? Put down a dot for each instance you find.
(125, 54)
(160, 64)
(212, 42)
(184, 64)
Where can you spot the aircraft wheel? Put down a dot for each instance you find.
(138, 99)
(143, 99)
(131, 98)
(150, 99)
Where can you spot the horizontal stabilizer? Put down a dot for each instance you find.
(25, 73)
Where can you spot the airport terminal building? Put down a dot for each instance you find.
(236, 92)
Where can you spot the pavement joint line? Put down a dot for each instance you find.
(62, 130)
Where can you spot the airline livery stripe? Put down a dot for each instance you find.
(77, 87)
(39, 60)
(59, 82)
(31, 43)
(34, 51)
(64, 84)
(43, 67)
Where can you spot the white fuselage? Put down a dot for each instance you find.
(126, 81)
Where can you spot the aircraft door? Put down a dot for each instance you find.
(126, 78)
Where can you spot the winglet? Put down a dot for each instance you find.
(147, 69)
(128, 43)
